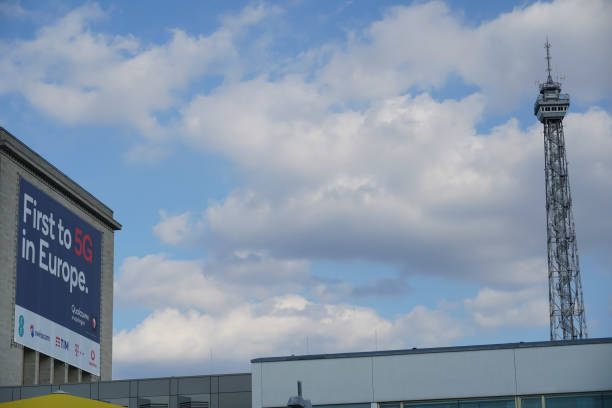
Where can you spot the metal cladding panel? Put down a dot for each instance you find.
(235, 399)
(564, 369)
(35, 391)
(153, 387)
(6, 394)
(444, 375)
(114, 389)
(79, 390)
(257, 385)
(234, 383)
(333, 381)
(194, 385)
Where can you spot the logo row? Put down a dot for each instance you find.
(60, 342)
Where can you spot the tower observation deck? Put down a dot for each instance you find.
(567, 317)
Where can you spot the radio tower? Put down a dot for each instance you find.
(567, 319)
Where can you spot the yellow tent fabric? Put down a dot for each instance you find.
(57, 401)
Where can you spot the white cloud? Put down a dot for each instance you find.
(420, 45)
(276, 326)
(400, 182)
(408, 180)
(249, 306)
(157, 281)
(173, 229)
(516, 308)
(78, 76)
(153, 280)
(589, 149)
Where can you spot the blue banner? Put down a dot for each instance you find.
(58, 272)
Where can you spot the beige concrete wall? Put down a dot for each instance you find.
(11, 354)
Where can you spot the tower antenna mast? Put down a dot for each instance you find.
(567, 316)
(548, 69)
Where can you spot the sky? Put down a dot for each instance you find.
(314, 177)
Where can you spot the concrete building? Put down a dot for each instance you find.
(557, 374)
(204, 391)
(20, 364)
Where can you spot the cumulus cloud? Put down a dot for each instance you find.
(589, 148)
(518, 308)
(421, 45)
(79, 76)
(343, 153)
(173, 229)
(278, 325)
(157, 281)
(402, 178)
(153, 280)
(252, 306)
(409, 181)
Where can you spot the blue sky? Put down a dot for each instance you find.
(317, 177)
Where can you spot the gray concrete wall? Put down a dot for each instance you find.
(510, 371)
(11, 354)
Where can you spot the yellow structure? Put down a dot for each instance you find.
(57, 400)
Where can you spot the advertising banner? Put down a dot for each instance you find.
(57, 296)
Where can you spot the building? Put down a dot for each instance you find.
(555, 374)
(56, 273)
(204, 391)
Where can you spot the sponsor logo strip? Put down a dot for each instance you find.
(50, 338)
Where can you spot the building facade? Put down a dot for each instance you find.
(556, 374)
(20, 166)
(559, 374)
(204, 391)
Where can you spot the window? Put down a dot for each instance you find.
(535, 402)
(193, 401)
(153, 402)
(475, 403)
(607, 400)
(496, 403)
(576, 401)
(448, 404)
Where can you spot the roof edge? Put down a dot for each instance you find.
(51, 174)
(432, 350)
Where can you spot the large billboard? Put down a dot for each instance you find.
(57, 295)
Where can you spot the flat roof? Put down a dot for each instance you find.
(429, 350)
(48, 172)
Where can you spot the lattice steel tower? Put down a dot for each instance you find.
(567, 319)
